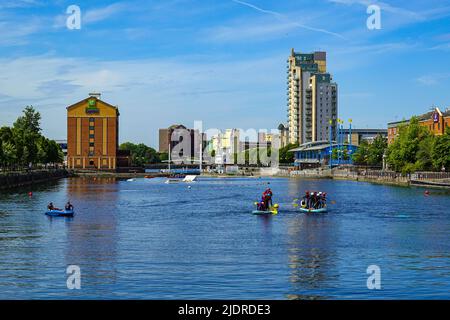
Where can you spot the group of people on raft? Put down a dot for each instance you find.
(314, 200)
(68, 207)
(266, 200)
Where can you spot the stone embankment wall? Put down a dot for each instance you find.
(9, 180)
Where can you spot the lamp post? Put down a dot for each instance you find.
(170, 151)
(201, 153)
(331, 143)
(349, 141)
(339, 142)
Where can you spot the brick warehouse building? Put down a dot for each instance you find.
(93, 135)
(436, 121)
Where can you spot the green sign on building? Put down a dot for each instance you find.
(92, 107)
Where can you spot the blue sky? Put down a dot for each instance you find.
(219, 61)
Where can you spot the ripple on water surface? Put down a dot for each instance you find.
(146, 239)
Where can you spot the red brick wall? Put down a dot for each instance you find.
(71, 137)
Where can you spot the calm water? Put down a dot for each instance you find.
(150, 240)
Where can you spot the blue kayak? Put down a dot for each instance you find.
(321, 210)
(60, 213)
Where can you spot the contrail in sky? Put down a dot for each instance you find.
(284, 17)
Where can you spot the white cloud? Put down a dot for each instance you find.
(433, 79)
(11, 4)
(100, 14)
(90, 16)
(151, 93)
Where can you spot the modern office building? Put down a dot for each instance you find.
(175, 134)
(312, 98)
(93, 135)
(435, 120)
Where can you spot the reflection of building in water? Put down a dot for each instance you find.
(312, 260)
(92, 234)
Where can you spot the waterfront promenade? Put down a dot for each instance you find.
(11, 180)
(425, 179)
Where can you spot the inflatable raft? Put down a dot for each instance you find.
(60, 213)
(321, 210)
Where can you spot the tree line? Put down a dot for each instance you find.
(142, 154)
(23, 145)
(414, 149)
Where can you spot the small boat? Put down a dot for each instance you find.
(60, 213)
(173, 180)
(320, 210)
(190, 178)
(272, 210)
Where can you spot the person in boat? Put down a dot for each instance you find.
(321, 200)
(306, 200)
(314, 201)
(69, 206)
(324, 200)
(51, 207)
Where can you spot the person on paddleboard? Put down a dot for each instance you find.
(267, 195)
(261, 206)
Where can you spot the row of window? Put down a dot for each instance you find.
(91, 136)
(430, 127)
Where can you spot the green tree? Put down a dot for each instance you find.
(334, 154)
(163, 156)
(376, 151)
(424, 153)
(285, 155)
(26, 132)
(9, 154)
(49, 151)
(23, 143)
(409, 150)
(440, 154)
(361, 155)
(30, 121)
(141, 154)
